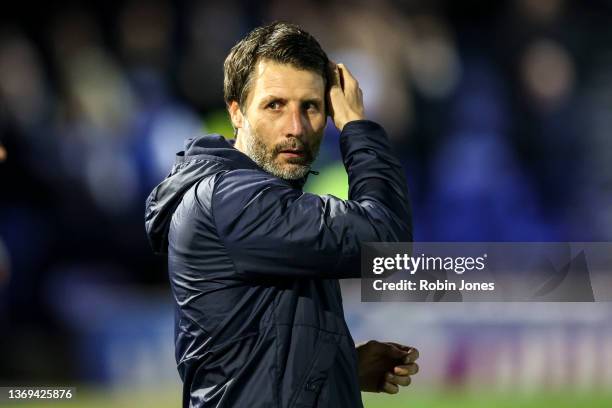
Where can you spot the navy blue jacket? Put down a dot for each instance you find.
(254, 264)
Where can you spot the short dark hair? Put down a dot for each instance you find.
(280, 42)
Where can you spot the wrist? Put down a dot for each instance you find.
(349, 120)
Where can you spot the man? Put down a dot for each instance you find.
(254, 261)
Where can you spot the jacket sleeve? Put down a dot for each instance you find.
(271, 228)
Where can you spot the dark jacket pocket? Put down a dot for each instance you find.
(308, 393)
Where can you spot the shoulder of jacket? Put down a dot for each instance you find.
(239, 187)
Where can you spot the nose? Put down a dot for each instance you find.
(296, 125)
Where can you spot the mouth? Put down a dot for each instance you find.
(293, 153)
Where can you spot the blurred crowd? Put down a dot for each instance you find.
(500, 111)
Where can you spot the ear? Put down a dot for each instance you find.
(235, 114)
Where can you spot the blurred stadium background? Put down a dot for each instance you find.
(500, 111)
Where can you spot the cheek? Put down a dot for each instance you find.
(318, 119)
(262, 127)
(265, 129)
(319, 125)
(318, 130)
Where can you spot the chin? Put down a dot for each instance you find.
(292, 171)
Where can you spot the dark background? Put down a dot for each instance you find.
(500, 111)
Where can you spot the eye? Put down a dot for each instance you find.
(311, 106)
(274, 105)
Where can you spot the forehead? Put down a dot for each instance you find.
(284, 80)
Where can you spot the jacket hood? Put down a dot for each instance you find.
(202, 156)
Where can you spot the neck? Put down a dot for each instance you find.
(239, 145)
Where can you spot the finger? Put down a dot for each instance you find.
(412, 356)
(335, 91)
(408, 369)
(390, 388)
(403, 380)
(401, 346)
(346, 78)
(348, 74)
(334, 74)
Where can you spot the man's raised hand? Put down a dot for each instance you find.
(345, 98)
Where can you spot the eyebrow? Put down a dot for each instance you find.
(270, 98)
(317, 101)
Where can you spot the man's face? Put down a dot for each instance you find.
(284, 120)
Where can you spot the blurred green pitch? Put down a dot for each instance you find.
(408, 398)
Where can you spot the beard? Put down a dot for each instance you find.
(266, 157)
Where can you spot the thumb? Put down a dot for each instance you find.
(395, 352)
